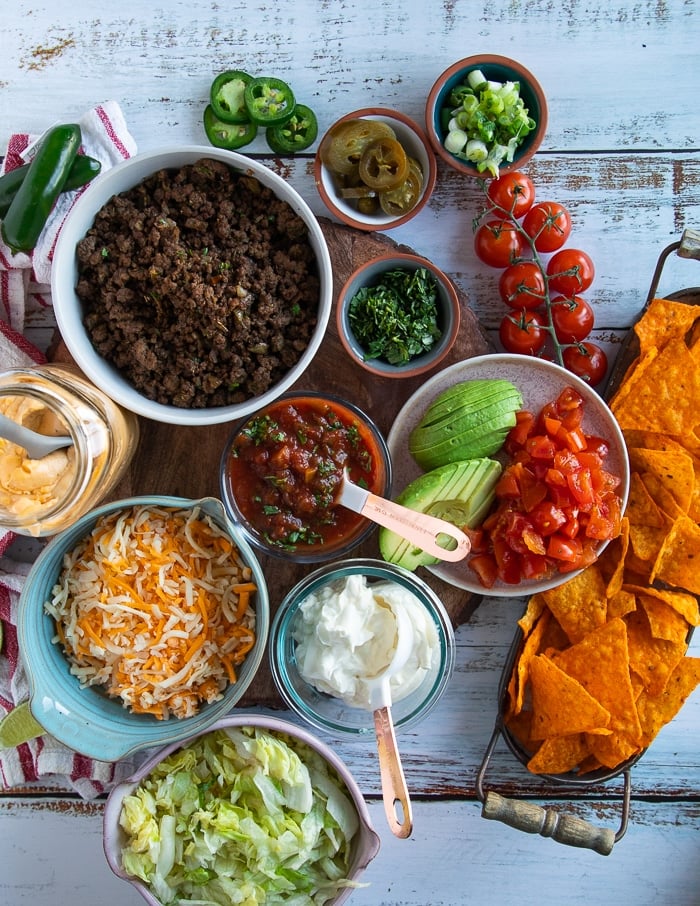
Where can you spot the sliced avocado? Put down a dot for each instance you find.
(467, 421)
(467, 444)
(470, 394)
(464, 489)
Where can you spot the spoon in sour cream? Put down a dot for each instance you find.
(37, 445)
(397, 804)
(427, 532)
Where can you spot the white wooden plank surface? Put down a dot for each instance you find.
(621, 152)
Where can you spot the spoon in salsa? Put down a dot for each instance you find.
(427, 532)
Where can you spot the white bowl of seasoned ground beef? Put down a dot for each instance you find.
(192, 285)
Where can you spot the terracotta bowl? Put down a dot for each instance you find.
(413, 140)
(448, 315)
(499, 69)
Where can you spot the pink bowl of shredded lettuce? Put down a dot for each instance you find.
(254, 810)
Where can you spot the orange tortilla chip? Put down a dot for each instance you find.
(678, 560)
(559, 754)
(560, 704)
(664, 621)
(600, 662)
(533, 612)
(522, 666)
(683, 603)
(652, 659)
(612, 751)
(641, 507)
(656, 711)
(662, 396)
(621, 603)
(612, 560)
(662, 320)
(579, 605)
(647, 541)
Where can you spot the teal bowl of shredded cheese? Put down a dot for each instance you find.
(254, 810)
(142, 624)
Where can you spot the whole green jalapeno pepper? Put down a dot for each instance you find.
(84, 169)
(31, 206)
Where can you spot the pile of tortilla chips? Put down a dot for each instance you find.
(603, 665)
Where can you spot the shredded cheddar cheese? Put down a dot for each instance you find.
(155, 605)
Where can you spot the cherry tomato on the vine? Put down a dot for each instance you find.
(522, 285)
(524, 332)
(548, 224)
(514, 192)
(498, 243)
(572, 319)
(586, 360)
(570, 271)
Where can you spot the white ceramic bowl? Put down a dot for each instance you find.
(69, 310)
(365, 844)
(86, 719)
(416, 145)
(539, 382)
(448, 315)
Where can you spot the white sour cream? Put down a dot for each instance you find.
(346, 633)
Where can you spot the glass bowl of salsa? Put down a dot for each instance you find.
(282, 468)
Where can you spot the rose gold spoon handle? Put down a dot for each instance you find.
(418, 528)
(397, 804)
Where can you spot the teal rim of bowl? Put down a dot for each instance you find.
(282, 646)
(499, 72)
(86, 719)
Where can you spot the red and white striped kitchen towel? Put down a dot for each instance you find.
(25, 286)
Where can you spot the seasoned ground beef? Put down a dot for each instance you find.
(199, 285)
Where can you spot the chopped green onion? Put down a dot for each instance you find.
(486, 121)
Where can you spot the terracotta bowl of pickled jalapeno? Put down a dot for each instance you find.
(282, 469)
(398, 315)
(375, 169)
(486, 115)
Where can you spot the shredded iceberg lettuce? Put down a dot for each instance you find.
(240, 816)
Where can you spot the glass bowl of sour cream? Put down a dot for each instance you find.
(336, 629)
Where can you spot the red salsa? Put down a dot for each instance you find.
(555, 502)
(286, 466)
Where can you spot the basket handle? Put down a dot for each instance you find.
(547, 822)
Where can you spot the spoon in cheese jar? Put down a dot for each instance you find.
(37, 445)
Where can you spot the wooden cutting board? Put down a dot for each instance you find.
(183, 461)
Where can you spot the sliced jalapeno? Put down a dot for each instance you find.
(384, 164)
(297, 133)
(227, 135)
(226, 96)
(269, 101)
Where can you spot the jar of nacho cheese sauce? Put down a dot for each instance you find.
(41, 497)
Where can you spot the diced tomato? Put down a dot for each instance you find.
(555, 501)
(540, 447)
(562, 548)
(581, 486)
(484, 565)
(547, 518)
(519, 433)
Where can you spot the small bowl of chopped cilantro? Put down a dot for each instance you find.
(486, 115)
(398, 315)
